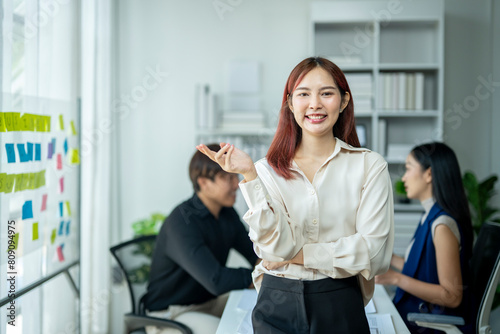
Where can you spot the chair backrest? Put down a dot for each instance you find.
(485, 267)
(134, 258)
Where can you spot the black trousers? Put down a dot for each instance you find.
(289, 306)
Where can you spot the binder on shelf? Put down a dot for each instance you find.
(419, 91)
(382, 136)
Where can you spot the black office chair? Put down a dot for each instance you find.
(134, 258)
(485, 268)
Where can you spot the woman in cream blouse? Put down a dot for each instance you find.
(320, 210)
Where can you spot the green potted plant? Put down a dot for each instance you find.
(400, 191)
(479, 194)
(147, 226)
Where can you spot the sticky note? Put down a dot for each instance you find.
(60, 254)
(16, 121)
(73, 128)
(19, 182)
(41, 178)
(28, 210)
(68, 208)
(61, 122)
(2, 123)
(50, 150)
(75, 156)
(16, 240)
(11, 153)
(44, 202)
(9, 183)
(61, 212)
(53, 236)
(28, 122)
(34, 229)
(67, 227)
(38, 152)
(59, 161)
(8, 121)
(30, 181)
(65, 146)
(61, 228)
(61, 184)
(3, 180)
(25, 152)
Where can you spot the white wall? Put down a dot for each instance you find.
(192, 41)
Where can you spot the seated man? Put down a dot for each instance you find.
(189, 280)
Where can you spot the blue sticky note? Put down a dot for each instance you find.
(25, 153)
(66, 146)
(54, 145)
(61, 208)
(61, 228)
(11, 153)
(38, 152)
(50, 151)
(67, 227)
(28, 210)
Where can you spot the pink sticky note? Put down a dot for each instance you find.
(60, 254)
(59, 161)
(44, 202)
(61, 183)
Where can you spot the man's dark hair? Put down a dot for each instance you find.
(203, 166)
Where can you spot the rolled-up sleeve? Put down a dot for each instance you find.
(368, 251)
(275, 235)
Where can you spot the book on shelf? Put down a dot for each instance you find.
(401, 90)
(382, 136)
(362, 91)
(242, 119)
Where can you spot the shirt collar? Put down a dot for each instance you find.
(339, 146)
(427, 204)
(198, 208)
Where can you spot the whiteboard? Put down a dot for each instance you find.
(39, 189)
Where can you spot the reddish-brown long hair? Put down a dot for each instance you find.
(288, 134)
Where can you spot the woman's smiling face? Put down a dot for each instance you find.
(317, 103)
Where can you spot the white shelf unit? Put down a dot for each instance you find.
(400, 46)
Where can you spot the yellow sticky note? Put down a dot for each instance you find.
(8, 121)
(53, 236)
(31, 181)
(28, 122)
(73, 128)
(61, 122)
(39, 123)
(9, 183)
(19, 182)
(16, 121)
(75, 156)
(16, 240)
(35, 231)
(3, 179)
(2, 123)
(68, 208)
(41, 181)
(47, 123)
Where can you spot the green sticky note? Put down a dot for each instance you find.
(8, 121)
(68, 208)
(31, 181)
(19, 182)
(75, 156)
(61, 122)
(35, 231)
(53, 236)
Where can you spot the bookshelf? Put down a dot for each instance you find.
(393, 56)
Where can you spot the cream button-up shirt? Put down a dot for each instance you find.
(343, 220)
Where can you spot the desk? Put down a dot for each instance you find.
(232, 316)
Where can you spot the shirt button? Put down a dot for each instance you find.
(312, 191)
(315, 221)
(268, 198)
(257, 186)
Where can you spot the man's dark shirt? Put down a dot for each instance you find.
(191, 251)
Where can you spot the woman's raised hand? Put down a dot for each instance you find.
(232, 160)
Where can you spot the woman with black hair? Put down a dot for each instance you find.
(433, 275)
